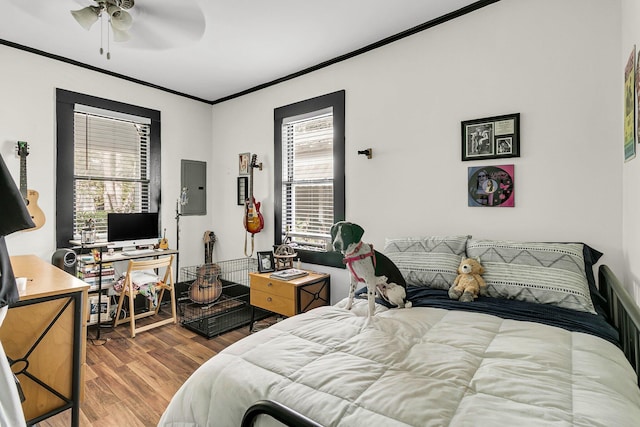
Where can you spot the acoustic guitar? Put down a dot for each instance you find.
(30, 196)
(207, 287)
(164, 243)
(253, 220)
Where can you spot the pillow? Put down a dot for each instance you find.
(546, 273)
(427, 261)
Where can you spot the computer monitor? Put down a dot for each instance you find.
(126, 230)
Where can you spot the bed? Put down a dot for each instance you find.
(547, 346)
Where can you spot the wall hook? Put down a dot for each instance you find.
(368, 152)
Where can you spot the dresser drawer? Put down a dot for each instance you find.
(273, 287)
(272, 302)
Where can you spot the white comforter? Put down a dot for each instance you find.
(416, 367)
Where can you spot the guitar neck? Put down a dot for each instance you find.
(23, 176)
(250, 185)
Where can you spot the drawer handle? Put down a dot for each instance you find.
(269, 299)
(269, 284)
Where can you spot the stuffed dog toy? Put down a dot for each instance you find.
(368, 266)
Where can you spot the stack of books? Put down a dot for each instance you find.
(90, 273)
(288, 274)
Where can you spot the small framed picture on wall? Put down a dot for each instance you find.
(243, 163)
(491, 137)
(243, 189)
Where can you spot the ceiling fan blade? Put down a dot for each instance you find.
(45, 9)
(160, 24)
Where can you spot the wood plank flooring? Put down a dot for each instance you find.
(129, 382)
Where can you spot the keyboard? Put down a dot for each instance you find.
(138, 252)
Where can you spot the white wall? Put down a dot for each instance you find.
(559, 68)
(631, 170)
(27, 113)
(406, 101)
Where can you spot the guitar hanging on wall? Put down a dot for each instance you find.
(253, 220)
(30, 196)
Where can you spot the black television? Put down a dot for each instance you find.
(126, 230)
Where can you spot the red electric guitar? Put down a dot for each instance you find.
(253, 220)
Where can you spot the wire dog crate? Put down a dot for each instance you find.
(217, 298)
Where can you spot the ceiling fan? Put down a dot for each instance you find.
(146, 24)
(119, 20)
(116, 10)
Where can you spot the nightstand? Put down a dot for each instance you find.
(289, 297)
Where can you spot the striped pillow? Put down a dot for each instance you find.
(546, 273)
(427, 261)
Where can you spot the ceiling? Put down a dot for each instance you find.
(213, 50)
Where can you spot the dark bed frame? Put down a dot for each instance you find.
(621, 310)
(624, 314)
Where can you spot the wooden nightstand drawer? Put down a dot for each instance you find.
(273, 287)
(273, 303)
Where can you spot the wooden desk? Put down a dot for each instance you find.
(44, 338)
(116, 256)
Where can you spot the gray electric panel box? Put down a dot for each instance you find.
(193, 177)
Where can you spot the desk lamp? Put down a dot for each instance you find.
(13, 217)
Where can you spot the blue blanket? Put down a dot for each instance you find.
(571, 320)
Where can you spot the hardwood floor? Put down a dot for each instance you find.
(129, 382)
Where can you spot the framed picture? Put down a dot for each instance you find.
(491, 137)
(629, 107)
(243, 189)
(265, 262)
(491, 186)
(243, 163)
(638, 97)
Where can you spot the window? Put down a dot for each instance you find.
(309, 182)
(110, 166)
(108, 161)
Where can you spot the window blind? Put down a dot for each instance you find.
(111, 160)
(307, 179)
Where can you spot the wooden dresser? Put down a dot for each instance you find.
(44, 337)
(290, 297)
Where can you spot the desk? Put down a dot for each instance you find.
(44, 338)
(116, 256)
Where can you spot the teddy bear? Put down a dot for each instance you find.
(469, 282)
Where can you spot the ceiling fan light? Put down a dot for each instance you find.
(121, 19)
(87, 16)
(120, 35)
(127, 4)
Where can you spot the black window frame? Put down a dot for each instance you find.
(336, 100)
(65, 103)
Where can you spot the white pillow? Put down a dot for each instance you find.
(427, 261)
(546, 273)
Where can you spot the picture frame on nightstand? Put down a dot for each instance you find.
(266, 262)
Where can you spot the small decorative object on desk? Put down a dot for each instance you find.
(288, 274)
(88, 234)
